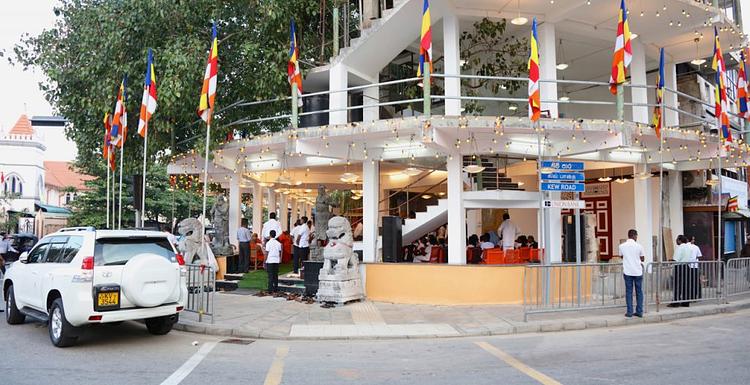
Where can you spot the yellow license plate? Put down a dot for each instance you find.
(108, 299)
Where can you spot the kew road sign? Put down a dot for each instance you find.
(569, 187)
(565, 176)
(563, 166)
(564, 204)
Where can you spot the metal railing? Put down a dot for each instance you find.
(675, 283)
(201, 286)
(737, 277)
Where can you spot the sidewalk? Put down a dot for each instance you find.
(240, 314)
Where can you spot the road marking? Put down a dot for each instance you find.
(510, 360)
(276, 371)
(186, 368)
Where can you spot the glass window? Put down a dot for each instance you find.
(55, 252)
(37, 255)
(118, 251)
(71, 249)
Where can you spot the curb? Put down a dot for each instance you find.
(520, 328)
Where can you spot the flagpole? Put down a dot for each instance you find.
(143, 183)
(119, 202)
(205, 180)
(107, 196)
(114, 206)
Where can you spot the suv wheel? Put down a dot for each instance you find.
(161, 325)
(61, 333)
(13, 316)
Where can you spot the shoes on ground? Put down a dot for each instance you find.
(639, 315)
(628, 315)
(673, 305)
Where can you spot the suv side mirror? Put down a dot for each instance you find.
(23, 257)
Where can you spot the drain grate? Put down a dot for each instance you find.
(237, 341)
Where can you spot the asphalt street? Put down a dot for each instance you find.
(703, 350)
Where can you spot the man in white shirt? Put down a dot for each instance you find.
(303, 242)
(485, 242)
(5, 247)
(243, 238)
(508, 232)
(271, 225)
(632, 270)
(295, 245)
(273, 249)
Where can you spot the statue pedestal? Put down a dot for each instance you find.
(339, 287)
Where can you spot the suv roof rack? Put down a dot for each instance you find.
(80, 228)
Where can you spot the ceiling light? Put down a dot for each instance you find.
(564, 98)
(520, 20)
(520, 184)
(297, 183)
(441, 194)
(605, 179)
(513, 106)
(356, 197)
(622, 180)
(546, 170)
(283, 180)
(562, 66)
(473, 168)
(308, 190)
(348, 177)
(265, 184)
(412, 171)
(426, 196)
(697, 61)
(644, 175)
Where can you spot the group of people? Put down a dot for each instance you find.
(507, 237)
(6, 246)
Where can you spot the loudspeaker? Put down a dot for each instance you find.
(569, 238)
(137, 191)
(392, 242)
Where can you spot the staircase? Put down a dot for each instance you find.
(490, 178)
(424, 222)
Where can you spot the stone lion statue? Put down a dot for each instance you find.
(339, 248)
(190, 245)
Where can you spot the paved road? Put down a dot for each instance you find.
(708, 350)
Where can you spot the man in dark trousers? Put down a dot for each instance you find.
(273, 258)
(243, 237)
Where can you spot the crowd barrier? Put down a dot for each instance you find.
(737, 277)
(201, 286)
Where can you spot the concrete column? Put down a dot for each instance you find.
(338, 80)
(644, 215)
(271, 201)
(671, 118)
(676, 222)
(284, 212)
(295, 213)
(257, 208)
(235, 208)
(370, 198)
(638, 77)
(370, 11)
(452, 57)
(548, 66)
(552, 218)
(456, 212)
(371, 97)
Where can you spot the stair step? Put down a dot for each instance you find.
(226, 285)
(233, 277)
(292, 288)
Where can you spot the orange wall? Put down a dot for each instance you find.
(444, 284)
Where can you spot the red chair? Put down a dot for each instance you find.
(535, 254)
(494, 256)
(524, 255)
(435, 252)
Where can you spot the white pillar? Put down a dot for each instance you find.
(257, 208)
(473, 221)
(308, 211)
(370, 198)
(371, 97)
(671, 118)
(553, 232)
(235, 208)
(674, 179)
(284, 212)
(548, 66)
(638, 77)
(271, 201)
(452, 57)
(644, 222)
(456, 212)
(338, 80)
(295, 212)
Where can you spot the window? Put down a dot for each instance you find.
(13, 185)
(38, 254)
(71, 249)
(56, 249)
(118, 251)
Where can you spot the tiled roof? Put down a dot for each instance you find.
(61, 175)
(22, 127)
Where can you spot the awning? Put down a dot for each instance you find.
(738, 215)
(52, 209)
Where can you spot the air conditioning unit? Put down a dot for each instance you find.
(694, 179)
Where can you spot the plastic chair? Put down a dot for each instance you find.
(435, 254)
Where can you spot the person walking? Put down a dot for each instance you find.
(508, 232)
(303, 245)
(273, 258)
(243, 238)
(632, 270)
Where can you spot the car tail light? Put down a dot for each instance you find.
(88, 263)
(180, 259)
(95, 318)
(179, 308)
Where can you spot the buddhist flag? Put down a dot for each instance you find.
(120, 117)
(107, 138)
(425, 40)
(720, 90)
(208, 92)
(742, 88)
(293, 72)
(148, 103)
(533, 66)
(659, 95)
(733, 204)
(623, 51)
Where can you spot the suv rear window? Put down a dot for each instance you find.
(118, 251)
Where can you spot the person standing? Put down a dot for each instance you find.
(271, 225)
(5, 247)
(303, 245)
(273, 258)
(632, 270)
(243, 237)
(508, 231)
(683, 254)
(295, 241)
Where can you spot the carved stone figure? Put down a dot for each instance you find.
(339, 279)
(220, 221)
(190, 245)
(323, 204)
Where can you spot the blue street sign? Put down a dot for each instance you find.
(568, 187)
(565, 176)
(563, 166)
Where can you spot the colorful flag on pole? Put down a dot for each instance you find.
(208, 92)
(148, 103)
(533, 66)
(107, 138)
(742, 88)
(720, 90)
(733, 204)
(293, 71)
(659, 95)
(120, 117)
(425, 40)
(623, 51)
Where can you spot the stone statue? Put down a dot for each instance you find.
(190, 245)
(220, 221)
(323, 204)
(339, 279)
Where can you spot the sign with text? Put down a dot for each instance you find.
(565, 176)
(573, 187)
(563, 204)
(563, 166)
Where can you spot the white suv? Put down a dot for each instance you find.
(81, 276)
